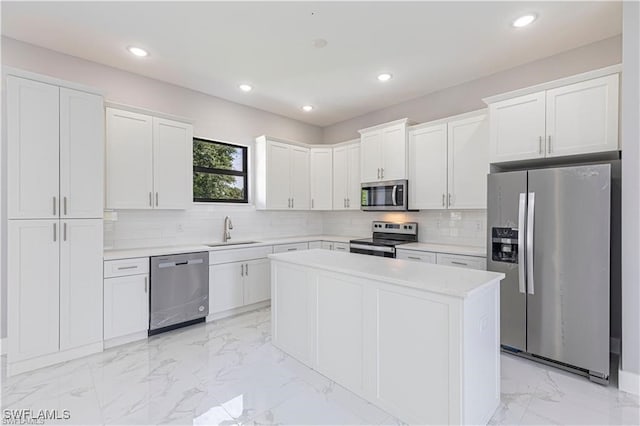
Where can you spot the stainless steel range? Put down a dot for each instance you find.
(386, 236)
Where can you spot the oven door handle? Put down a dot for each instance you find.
(373, 248)
(394, 193)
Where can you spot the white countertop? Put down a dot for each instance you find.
(445, 248)
(446, 280)
(161, 251)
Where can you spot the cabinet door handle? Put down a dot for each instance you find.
(413, 257)
(246, 269)
(64, 202)
(450, 203)
(156, 199)
(64, 231)
(312, 203)
(242, 269)
(54, 205)
(382, 173)
(378, 173)
(443, 199)
(120, 268)
(549, 145)
(150, 200)
(293, 202)
(146, 284)
(459, 263)
(292, 249)
(348, 202)
(55, 237)
(540, 149)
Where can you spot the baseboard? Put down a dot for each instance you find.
(3, 346)
(17, 367)
(629, 382)
(238, 311)
(123, 340)
(614, 345)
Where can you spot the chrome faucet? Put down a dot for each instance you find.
(227, 227)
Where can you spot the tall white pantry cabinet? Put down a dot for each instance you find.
(55, 168)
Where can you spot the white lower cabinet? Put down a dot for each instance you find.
(460, 261)
(238, 278)
(81, 290)
(282, 248)
(34, 288)
(54, 291)
(332, 245)
(256, 281)
(419, 256)
(126, 305)
(226, 287)
(456, 260)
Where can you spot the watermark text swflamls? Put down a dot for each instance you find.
(33, 417)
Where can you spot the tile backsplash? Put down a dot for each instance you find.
(463, 227)
(204, 224)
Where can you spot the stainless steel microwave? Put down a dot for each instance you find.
(384, 196)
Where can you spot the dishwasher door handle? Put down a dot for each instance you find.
(186, 262)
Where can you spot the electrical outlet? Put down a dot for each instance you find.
(478, 226)
(179, 228)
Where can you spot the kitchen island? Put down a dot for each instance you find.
(421, 341)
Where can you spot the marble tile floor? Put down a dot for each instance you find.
(228, 373)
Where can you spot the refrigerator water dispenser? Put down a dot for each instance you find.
(504, 245)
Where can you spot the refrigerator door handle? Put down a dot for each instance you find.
(521, 248)
(530, 221)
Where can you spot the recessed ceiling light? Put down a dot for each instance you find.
(245, 87)
(385, 77)
(137, 51)
(307, 108)
(524, 20)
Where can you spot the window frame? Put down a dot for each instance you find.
(235, 173)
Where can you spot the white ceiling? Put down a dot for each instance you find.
(212, 47)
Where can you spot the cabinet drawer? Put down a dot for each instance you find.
(238, 255)
(341, 247)
(418, 256)
(470, 262)
(315, 244)
(283, 248)
(123, 267)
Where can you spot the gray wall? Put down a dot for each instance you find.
(631, 187)
(468, 96)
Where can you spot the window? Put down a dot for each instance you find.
(219, 172)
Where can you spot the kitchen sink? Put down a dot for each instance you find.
(231, 243)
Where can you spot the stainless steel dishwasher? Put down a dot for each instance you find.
(179, 291)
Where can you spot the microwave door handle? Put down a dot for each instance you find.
(393, 195)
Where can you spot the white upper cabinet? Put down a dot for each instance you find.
(569, 119)
(346, 176)
(321, 175)
(55, 151)
(81, 251)
(33, 149)
(33, 288)
(81, 154)
(583, 117)
(172, 164)
(149, 161)
(282, 175)
(449, 162)
(428, 166)
(299, 178)
(129, 160)
(517, 128)
(383, 152)
(468, 162)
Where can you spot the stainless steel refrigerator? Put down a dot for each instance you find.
(549, 232)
